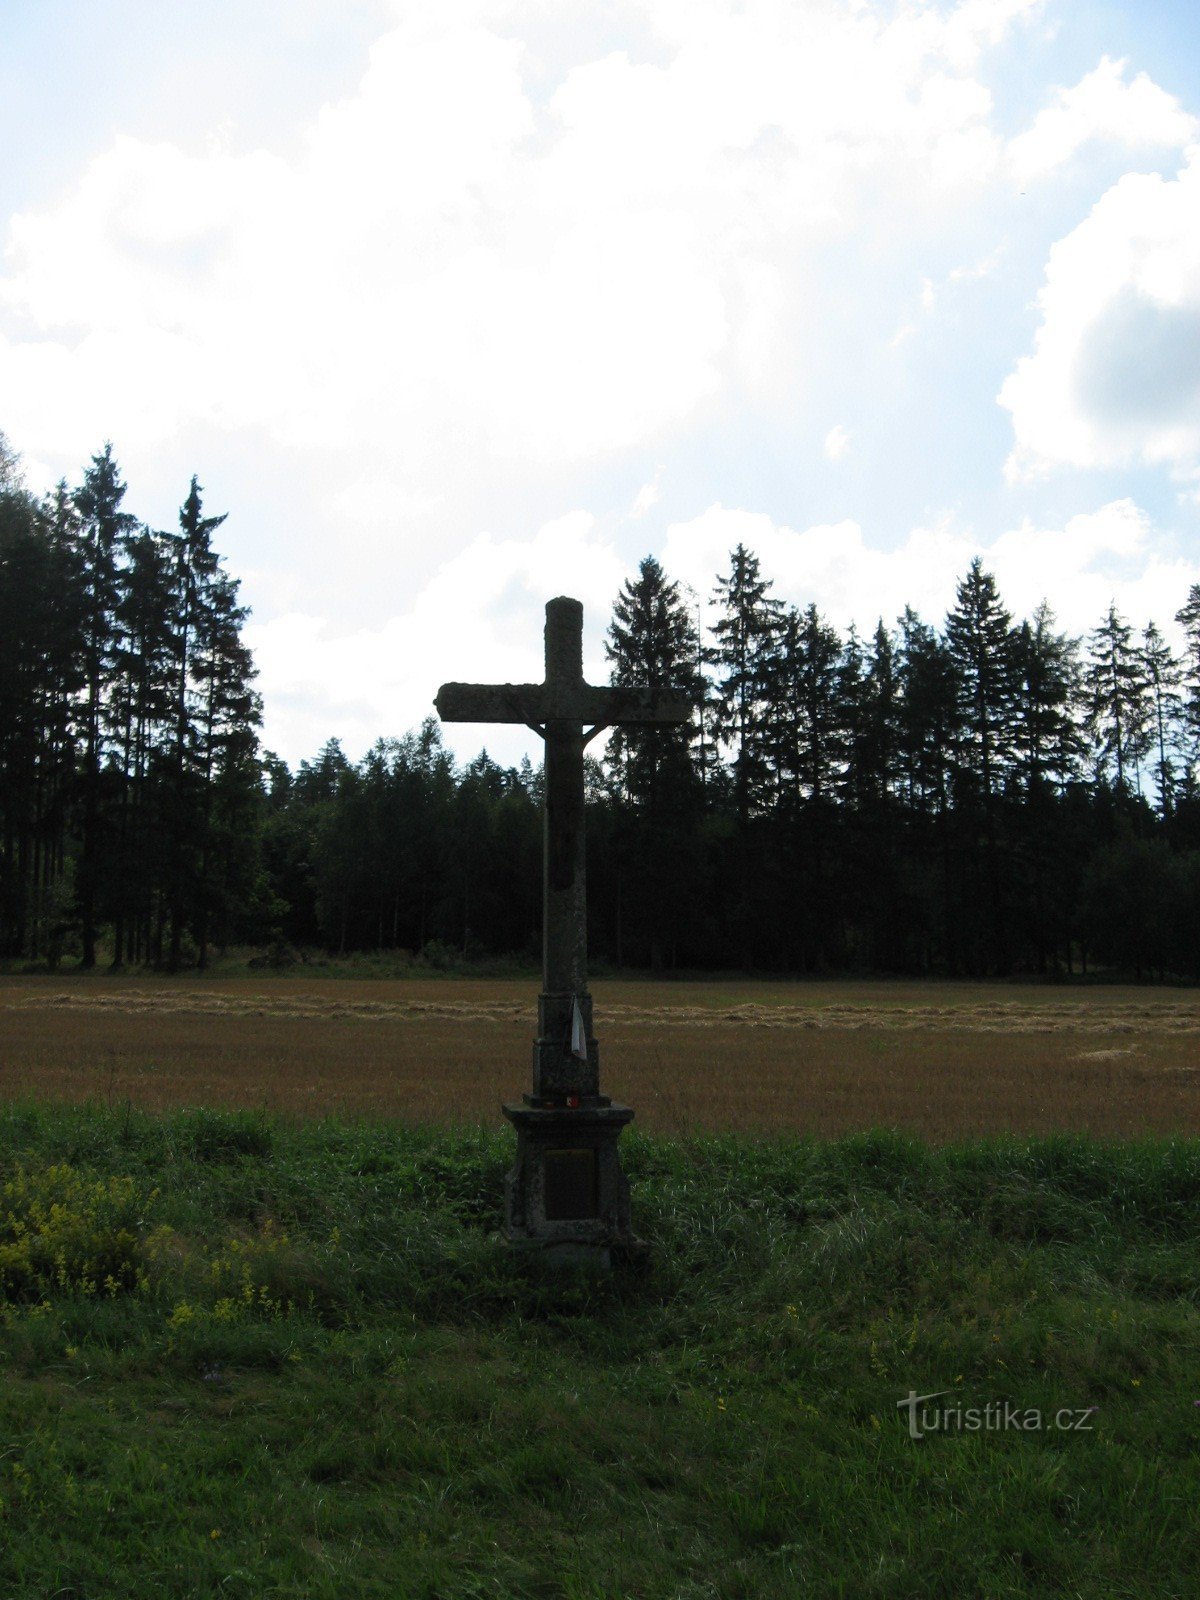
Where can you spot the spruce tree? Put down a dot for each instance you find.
(653, 776)
(874, 754)
(806, 707)
(1046, 739)
(1163, 676)
(928, 718)
(652, 642)
(65, 678)
(228, 716)
(1188, 618)
(98, 501)
(1117, 718)
(745, 655)
(140, 714)
(980, 641)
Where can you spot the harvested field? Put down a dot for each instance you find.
(943, 1060)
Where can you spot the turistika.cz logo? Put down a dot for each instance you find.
(997, 1416)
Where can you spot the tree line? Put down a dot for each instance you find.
(130, 781)
(987, 797)
(984, 796)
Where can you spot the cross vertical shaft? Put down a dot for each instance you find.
(564, 893)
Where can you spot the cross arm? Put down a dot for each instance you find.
(491, 702)
(639, 703)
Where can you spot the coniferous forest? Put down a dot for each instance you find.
(973, 795)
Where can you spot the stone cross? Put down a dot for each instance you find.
(566, 712)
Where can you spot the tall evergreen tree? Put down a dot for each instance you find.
(1046, 739)
(1117, 718)
(40, 657)
(745, 655)
(654, 773)
(806, 709)
(929, 716)
(1163, 678)
(187, 796)
(874, 754)
(228, 716)
(1188, 618)
(928, 732)
(652, 642)
(140, 704)
(98, 501)
(981, 645)
(64, 679)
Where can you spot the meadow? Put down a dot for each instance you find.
(260, 1335)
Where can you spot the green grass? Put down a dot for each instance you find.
(244, 1357)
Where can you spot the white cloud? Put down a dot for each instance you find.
(932, 293)
(647, 496)
(481, 271)
(837, 442)
(479, 619)
(829, 564)
(1098, 556)
(1114, 376)
(1102, 105)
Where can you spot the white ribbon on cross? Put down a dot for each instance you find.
(578, 1032)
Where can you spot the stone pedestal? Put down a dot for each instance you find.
(566, 1195)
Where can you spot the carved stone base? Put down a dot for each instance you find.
(566, 1194)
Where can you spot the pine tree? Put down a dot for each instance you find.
(40, 677)
(64, 680)
(1188, 618)
(1163, 677)
(874, 754)
(980, 641)
(23, 577)
(927, 734)
(140, 714)
(652, 642)
(928, 717)
(1116, 689)
(229, 714)
(1046, 739)
(98, 501)
(185, 794)
(745, 655)
(805, 715)
(653, 776)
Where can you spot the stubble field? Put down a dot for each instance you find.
(944, 1061)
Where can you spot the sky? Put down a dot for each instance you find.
(453, 308)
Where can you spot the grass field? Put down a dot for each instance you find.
(942, 1060)
(248, 1356)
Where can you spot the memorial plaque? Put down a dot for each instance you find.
(572, 1189)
